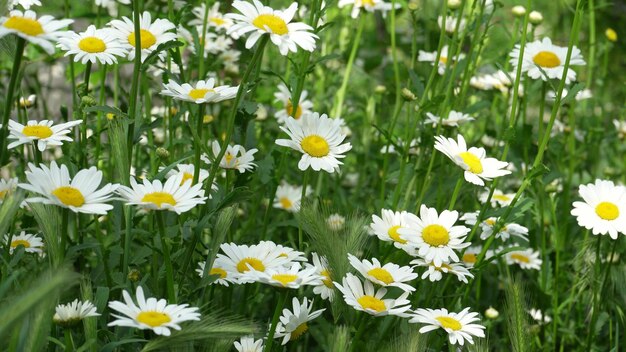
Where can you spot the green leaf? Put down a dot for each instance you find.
(155, 54)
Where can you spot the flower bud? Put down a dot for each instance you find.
(162, 153)
(408, 95)
(611, 34)
(518, 11)
(535, 17)
(454, 4)
(491, 313)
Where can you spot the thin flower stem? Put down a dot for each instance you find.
(341, 93)
(134, 90)
(305, 179)
(599, 294)
(8, 102)
(455, 194)
(198, 143)
(65, 214)
(169, 271)
(282, 298)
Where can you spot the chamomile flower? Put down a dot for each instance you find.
(389, 274)
(319, 140)
(151, 313)
(291, 254)
(362, 296)
(201, 92)
(424, 56)
(31, 243)
(544, 60)
(499, 80)
(454, 119)
(188, 170)
(70, 314)
(460, 326)
(7, 187)
(335, 222)
(249, 344)
(603, 210)
(473, 160)
(173, 195)
(539, 317)
(470, 256)
(451, 23)
(294, 276)
(387, 225)
(326, 289)
(43, 31)
(223, 277)
(152, 34)
(26, 4)
(498, 198)
(283, 96)
(28, 102)
(43, 132)
(236, 157)
(434, 235)
(215, 19)
(367, 5)
(94, 45)
(257, 19)
(435, 273)
(527, 259)
(238, 259)
(80, 193)
(487, 226)
(293, 324)
(289, 197)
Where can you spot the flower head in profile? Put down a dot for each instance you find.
(435, 273)
(363, 297)
(257, 20)
(215, 19)
(460, 326)
(294, 323)
(294, 276)
(289, 197)
(93, 45)
(7, 187)
(151, 34)
(222, 276)
(72, 313)
(236, 157)
(444, 57)
(239, 259)
(497, 198)
(603, 209)
(527, 259)
(201, 92)
(28, 102)
(45, 133)
(153, 314)
(544, 60)
(80, 193)
(388, 275)
(505, 231)
(283, 96)
(451, 23)
(454, 119)
(249, 344)
(31, 243)
(325, 289)
(319, 140)
(42, 31)
(386, 227)
(367, 5)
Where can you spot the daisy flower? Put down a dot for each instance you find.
(499, 80)
(527, 259)
(283, 96)
(539, 317)
(583, 94)
(249, 344)
(152, 34)
(28, 102)
(26, 4)
(175, 195)
(43, 31)
(80, 193)
(544, 60)
(7, 187)
(259, 20)
(335, 222)
(435, 236)
(238, 259)
(151, 313)
(289, 197)
(413, 146)
(294, 276)
(387, 225)
(43, 132)
(31, 243)
(470, 256)
(386, 275)
(291, 254)
(326, 289)
(70, 314)
(435, 273)
(454, 119)
(473, 160)
(200, 93)
(215, 19)
(487, 227)
(451, 23)
(236, 157)
(603, 209)
(498, 198)
(188, 170)
(211, 43)
(460, 326)
(223, 278)
(293, 324)
(367, 5)
(363, 297)
(424, 56)
(319, 139)
(94, 45)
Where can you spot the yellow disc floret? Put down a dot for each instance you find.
(546, 59)
(147, 39)
(275, 24)
(435, 235)
(315, 146)
(153, 319)
(607, 211)
(25, 25)
(69, 196)
(92, 45)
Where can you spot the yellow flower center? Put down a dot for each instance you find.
(158, 198)
(3, 194)
(275, 24)
(37, 131)
(285, 279)
(199, 93)
(449, 323)
(147, 39)
(328, 282)
(186, 177)
(229, 157)
(607, 211)
(490, 222)
(69, 196)
(469, 258)
(381, 274)
(25, 25)
(611, 34)
(218, 21)
(153, 319)
(520, 258)
(299, 331)
(367, 2)
(289, 109)
(218, 271)
(393, 233)
(110, 116)
(443, 59)
(92, 45)
(472, 161)
(501, 197)
(285, 203)
(16, 243)
(315, 146)
(435, 235)
(256, 264)
(546, 59)
(371, 302)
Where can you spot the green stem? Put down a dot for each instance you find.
(64, 232)
(282, 298)
(69, 342)
(169, 271)
(305, 179)
(8, 103)
(455, 194)
(599, 294)
(134, 90)
(199, 143)
(346, 74)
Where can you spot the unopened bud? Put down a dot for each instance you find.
(88, 100)
(491, 313)
(454, 4)
(162, 153)
(518, 11)
(408, 95)
(535, 17)
(380, 89)
(134, 275)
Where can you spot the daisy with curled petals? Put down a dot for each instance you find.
(487, 226)
(80, 193)
(544, 60)
(319, 139)
(363, 297)
(387, 225)
(7, 187)
(223, 278)
(289, 197)
(367, 5)
(473, 160)
(27, 102)
(283, 96)
(201, 93)
(291, 254)
(294, 276)
(603, 209)
(236, 157)
(44, 132)
(454, 119)
(460, 326)
(435, 236)
(435, 273)
(425, 56)
(70, 314)
(498, 198)
(94, 45)
(31, 243)
(175, 195)
(151, 313)
(260, 20)
(293, 324)
(386, 275)
(238, 259)
(249, 344)
(187, 170)
(43, 31)
(527, 259)
(151, 34)
(326, 289)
